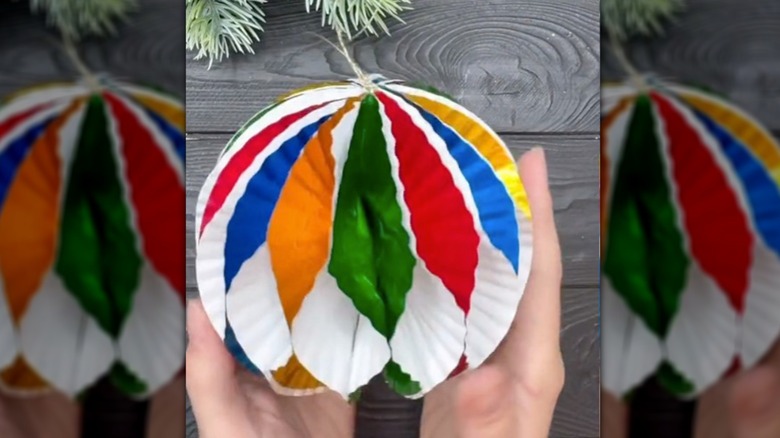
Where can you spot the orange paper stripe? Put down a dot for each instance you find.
(294, 376)
(299, 234)
(22, 377)
(30, 220)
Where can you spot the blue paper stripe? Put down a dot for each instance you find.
(762, 191)
(237, 350)
(494, 204)
(248, 227)
(15, 153)
(171, 132)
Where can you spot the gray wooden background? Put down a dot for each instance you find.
(733, 48)
(729, 46)
(530, 69)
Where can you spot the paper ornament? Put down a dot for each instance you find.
(691, 238)
(355, 228)
(91, 238)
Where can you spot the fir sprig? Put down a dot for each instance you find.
(215, 28)
(218, 28)
(356, 16)
(78, 18)
(626, 18)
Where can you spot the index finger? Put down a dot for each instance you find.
(537, 324)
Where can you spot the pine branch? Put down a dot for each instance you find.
(218, 28)
(626, 18)
(78, 18)
(215, 28)
(357, 16)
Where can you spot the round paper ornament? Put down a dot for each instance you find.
(691, 238)
(91, 231)
(361, 227)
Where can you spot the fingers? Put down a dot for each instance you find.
(485, 405)
(755, 404)
(540, 308)
(211, 381)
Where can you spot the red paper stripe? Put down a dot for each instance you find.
(156, 193)
(717, 228)
(243, 159)
(444, 228)
(16, 120)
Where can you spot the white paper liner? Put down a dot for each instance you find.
(630, 352)
(63, 343)
(761, 318)
(335, 342)
(702, 339)
(151, 344)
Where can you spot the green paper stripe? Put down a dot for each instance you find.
(98, 260)
(126, 381)
(674, 381)
(399, 381)
(645, 258)
(246, 126)
(370, 258)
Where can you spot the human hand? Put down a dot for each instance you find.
(513, 394)
(55, 415)
(732, 408)
(754, 403)
(229, 401)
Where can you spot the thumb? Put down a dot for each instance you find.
(755, 404)
(217, 403)
(485, 405)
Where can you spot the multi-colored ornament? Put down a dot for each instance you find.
(355, 228)
(691, 238)
(91, 234)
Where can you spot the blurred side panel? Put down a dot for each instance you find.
(691, 222)
(92, 218)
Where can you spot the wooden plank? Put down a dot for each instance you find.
(577, 411)
(573, 170)
(723, 45)
(530, 66)
(147, 49)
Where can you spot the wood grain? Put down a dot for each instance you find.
(147, 49)
(530, 66)
(729, 46)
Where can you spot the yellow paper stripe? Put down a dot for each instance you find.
(172, 113)
(312, 87)
(749, 133)
(487, 143)
(30, 218)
